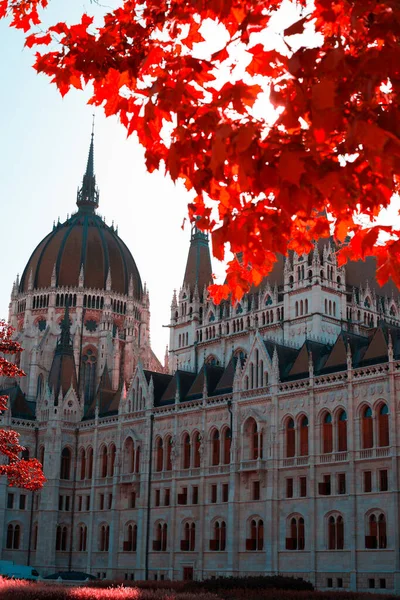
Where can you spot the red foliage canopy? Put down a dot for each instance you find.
(335, 144)
(27, 474)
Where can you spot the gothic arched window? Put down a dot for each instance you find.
(65, 471)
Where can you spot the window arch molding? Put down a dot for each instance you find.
(186, 445)
(335, 530)
(66, 462)
(302, 431)
(255, 530)
(103, 460)
(288, 429)
(196, 439)
(130, 530)
(376, 529)
(214, 437)
(295, 532)
(14, 535)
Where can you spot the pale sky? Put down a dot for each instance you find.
(44, 146)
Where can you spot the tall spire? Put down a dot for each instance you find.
(88, 194)
(198, 271)
(64, 343)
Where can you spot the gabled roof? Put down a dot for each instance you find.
(180, 383)
(106, 398)
(20, 407)
(286, 356)
(319, 353)
(209, 375)
(160, 382)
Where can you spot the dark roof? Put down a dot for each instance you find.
(181, 383)
(286, 356)
(160, 382)
(106, 398)
(319, 353)
(20, 407)
(198, 266)
(225, 384)
(211, 374)
(84, 239)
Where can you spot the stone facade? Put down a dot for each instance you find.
(266, 444)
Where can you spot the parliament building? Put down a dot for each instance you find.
(265, 444)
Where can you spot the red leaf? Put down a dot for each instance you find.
(297, 27)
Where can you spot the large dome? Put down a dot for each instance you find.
(84, 240)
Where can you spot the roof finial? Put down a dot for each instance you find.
(88, 194)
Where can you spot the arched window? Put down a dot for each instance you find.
(65, 471)
(61, 538)
(215, 447)
(227, 439)
(130, 542)
(304, 436)
(186, 451)
(13, 537)
(196, 449)
(129, 456)
(189, 541)
(290, 438)
(256, 539)
(367, 428)
(82, 538)
(160, 543)
(382, 539)
(327, 438)
(342, 431)
(25, 454)
(296, 541)
(377, 537)
(104, 541)
(335, 533)
(88, 376)
(383, 425)
(168, 450)
(113, 452)
(159, 454)
(104, 461)
(219, 534)
(82, 462)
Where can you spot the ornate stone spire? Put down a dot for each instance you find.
(64, 342)
(88, 195)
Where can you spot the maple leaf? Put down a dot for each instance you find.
(330, 101)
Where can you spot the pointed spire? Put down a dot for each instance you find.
(88, 195)
(30, 280)
(81, 277)
(198, 265)
(130, 290)
(53, 281)
(64, 342)
(108, 281)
